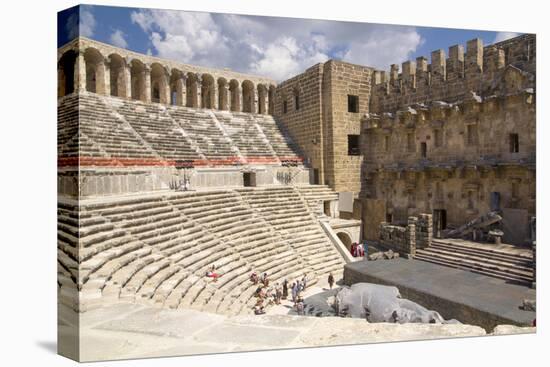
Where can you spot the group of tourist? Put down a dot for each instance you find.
(267, 295)
(357, 250)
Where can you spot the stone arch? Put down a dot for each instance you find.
(234, 91)
(248, 96)
(208, 91)
(118, 82)
(192, 93)
(262, 99)
(95, 71)
(177, 87)
(345, 239)
(223, 98)
(137, 78)
(66, 73)
(159, 84)
(271, 99)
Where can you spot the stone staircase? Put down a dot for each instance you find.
(285, 211)
(106, 132)
(157, 129)
(244, 134)
(503, 262)
(315, 195)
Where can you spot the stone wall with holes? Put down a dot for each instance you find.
(448, 135)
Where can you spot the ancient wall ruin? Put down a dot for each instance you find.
(398, 238)
(454, 138)
(416, 234)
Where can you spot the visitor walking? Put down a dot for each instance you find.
(330, 280)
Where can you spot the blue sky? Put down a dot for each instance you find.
(274, 47)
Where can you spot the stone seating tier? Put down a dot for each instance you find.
(157, 248)
(114, 131)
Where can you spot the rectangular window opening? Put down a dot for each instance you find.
(514, 143)
(353, 145)
(424, 149)
(353, 103)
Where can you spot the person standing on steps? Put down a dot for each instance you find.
(330, 280)
(285, 289)
(294, 291)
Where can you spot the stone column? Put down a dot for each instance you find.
(239, 99)
(165, 88)
(146, 91)
(222, 95)
(411, 235)
(214, 98)
(254, 100)
(80, 72)
(198, 91)
(180, 91)
(264, 102)
(103, 78)
(126, 80)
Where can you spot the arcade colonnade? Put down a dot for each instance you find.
(89, 70)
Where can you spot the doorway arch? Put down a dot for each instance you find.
(346, 239)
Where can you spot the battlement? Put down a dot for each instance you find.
(477, 69)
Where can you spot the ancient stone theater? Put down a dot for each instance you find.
(169, 171)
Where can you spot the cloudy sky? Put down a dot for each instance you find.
(275, 47)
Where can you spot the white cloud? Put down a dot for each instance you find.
(503, 36)
(87, 21)
(72, 26)
(118, 39)
(275, 47)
